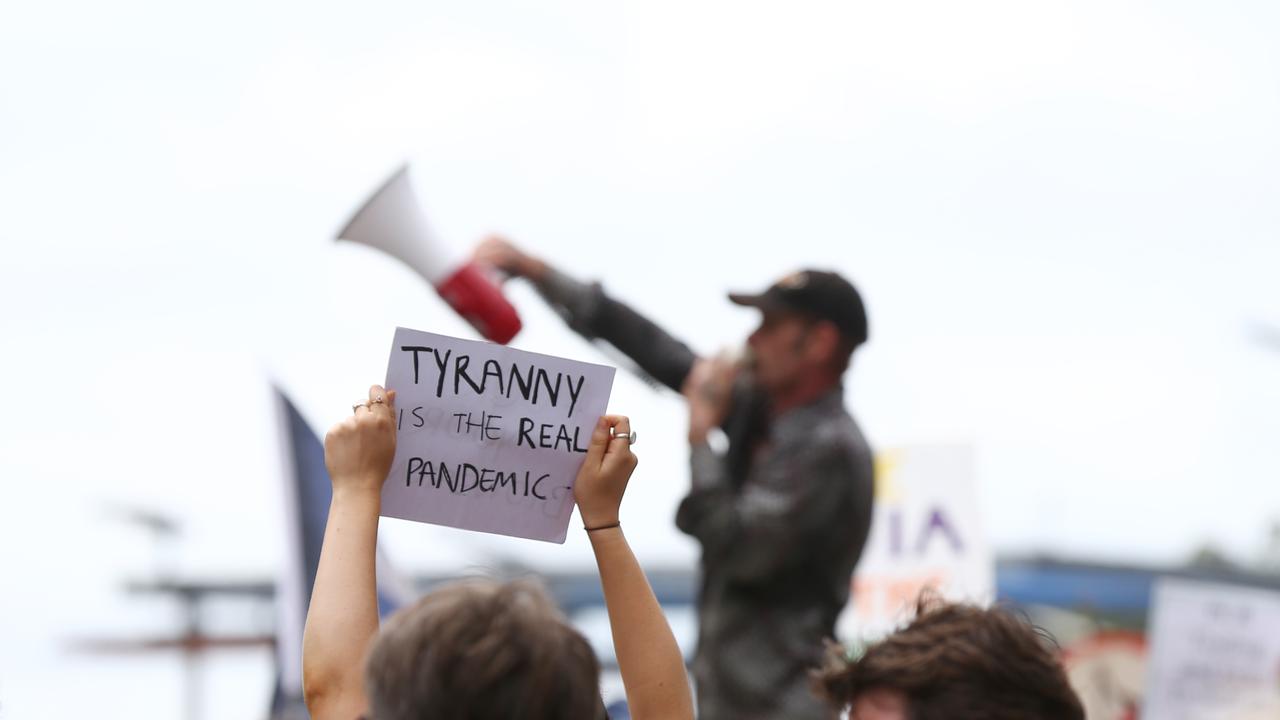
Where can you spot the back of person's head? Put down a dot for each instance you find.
(481, 650)
(958, 662)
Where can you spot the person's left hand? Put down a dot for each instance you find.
(709, 390)
(605, 472)
(358, 451)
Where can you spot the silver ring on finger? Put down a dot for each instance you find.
(629, 437)
(356, 408)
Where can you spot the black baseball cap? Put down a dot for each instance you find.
(818, 293)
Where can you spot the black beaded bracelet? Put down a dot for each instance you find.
(602, 527)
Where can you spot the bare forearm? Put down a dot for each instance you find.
(649, 660)
(343, 616)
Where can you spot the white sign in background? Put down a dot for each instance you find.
(1214, 652)
(489, 438)
(926, 532)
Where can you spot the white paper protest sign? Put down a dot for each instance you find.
(1214, 652)
(926, 532)
(489, 438)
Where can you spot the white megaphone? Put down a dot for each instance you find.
(393, 222)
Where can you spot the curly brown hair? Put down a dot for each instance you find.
(959, 662)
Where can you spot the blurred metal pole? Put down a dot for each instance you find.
(1267, 336)
(192, 682)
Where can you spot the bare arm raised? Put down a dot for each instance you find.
(343, 616)
(649, 660)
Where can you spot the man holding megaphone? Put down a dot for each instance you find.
(782, 514)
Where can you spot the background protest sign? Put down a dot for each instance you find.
(1214, 652)
(1108, 670)
(489, 438)
(926, 532)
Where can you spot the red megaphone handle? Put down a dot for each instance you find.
(476, 298)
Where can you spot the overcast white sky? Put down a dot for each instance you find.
(1062, 214)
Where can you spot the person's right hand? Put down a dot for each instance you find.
(359, 450)
(709, 391)
(498, 252)
(603, 478)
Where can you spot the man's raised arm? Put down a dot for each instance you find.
(593, 314)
